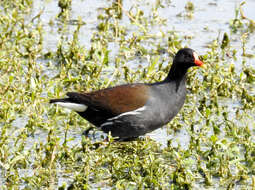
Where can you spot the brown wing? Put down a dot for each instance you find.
(117, 100)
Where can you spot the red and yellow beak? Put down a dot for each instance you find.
(197, 61)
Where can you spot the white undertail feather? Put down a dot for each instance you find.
(73, 106)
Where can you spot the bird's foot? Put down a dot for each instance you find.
(86, 132)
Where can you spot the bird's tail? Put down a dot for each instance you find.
(52, 101)
(70, 104)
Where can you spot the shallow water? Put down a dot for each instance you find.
(209, 22)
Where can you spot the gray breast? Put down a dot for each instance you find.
(166, 101)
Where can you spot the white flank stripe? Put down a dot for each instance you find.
(134, 112)
(73, 106)
(106, 123)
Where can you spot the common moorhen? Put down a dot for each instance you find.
(132, 110)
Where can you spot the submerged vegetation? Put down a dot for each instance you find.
(41, 146)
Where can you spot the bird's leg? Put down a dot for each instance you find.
(86, 132)
(126, 139)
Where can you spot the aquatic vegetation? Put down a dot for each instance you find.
(47, 51)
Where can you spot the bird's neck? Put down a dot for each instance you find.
(176, 73)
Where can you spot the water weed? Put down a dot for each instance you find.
(55, 48)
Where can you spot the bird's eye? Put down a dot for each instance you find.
(188, 56)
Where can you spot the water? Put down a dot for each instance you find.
(209, 22)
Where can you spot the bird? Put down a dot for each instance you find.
(132, 110)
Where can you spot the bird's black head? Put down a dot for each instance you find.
(187, 57)
(184, 59)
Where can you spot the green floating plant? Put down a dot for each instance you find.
(209, 144)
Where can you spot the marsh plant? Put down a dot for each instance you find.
(43, 55)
